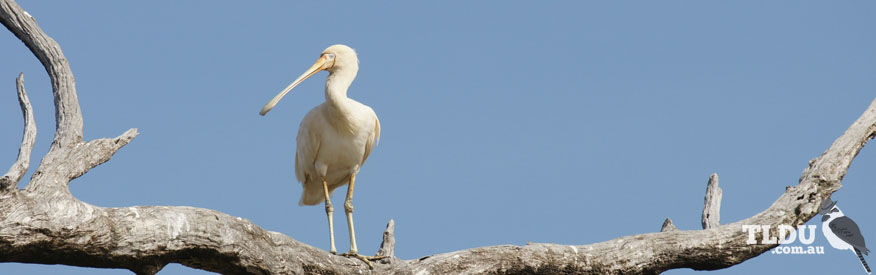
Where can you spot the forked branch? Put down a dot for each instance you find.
(68, 117)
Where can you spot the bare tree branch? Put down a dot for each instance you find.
(68, 156)
(44, 223)
(652, 253)
(67, 114)
(712, 208)
(96, 152)
(9, 181)
(144, 239)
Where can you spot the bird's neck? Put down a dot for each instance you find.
(339, 109)
(336, 87)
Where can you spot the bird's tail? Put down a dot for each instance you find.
(312, 194)
(863, 262)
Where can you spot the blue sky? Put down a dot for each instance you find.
(503, 123)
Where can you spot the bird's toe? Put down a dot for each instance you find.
(366, 259)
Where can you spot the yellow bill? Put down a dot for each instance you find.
(322, 63)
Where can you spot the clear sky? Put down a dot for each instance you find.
(503, 122)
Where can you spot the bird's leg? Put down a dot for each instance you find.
(348, 209)
(329, 210)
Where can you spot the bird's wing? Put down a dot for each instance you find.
(373, 140)
(307, 148)
(848, 231)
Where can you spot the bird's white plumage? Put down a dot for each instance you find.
(333, 151)
(334, 138)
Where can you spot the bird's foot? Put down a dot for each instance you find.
(366, 259)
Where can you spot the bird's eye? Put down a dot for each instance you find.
(330, 56)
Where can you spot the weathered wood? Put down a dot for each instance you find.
(712, 208)
(44, 223)
(9, 181)
(68, 117)
(387, 246)
(668, 226)
(147, 238)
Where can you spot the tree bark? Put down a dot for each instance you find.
(668, 226)
(712, 208)
(44, 223)
(9, 181)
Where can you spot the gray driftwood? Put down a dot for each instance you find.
(712, 208)
(19, 168)
(44, 223)
(387, 247)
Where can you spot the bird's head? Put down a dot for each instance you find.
(333, 59)
(829, 210)
(834, 212)
(826, 205)
(339, 57)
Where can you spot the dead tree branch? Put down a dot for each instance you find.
(44, 223)
(712, 208)
(9, 181)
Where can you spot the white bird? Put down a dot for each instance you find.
(334, 138)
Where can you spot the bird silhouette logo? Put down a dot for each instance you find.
(842, 232)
